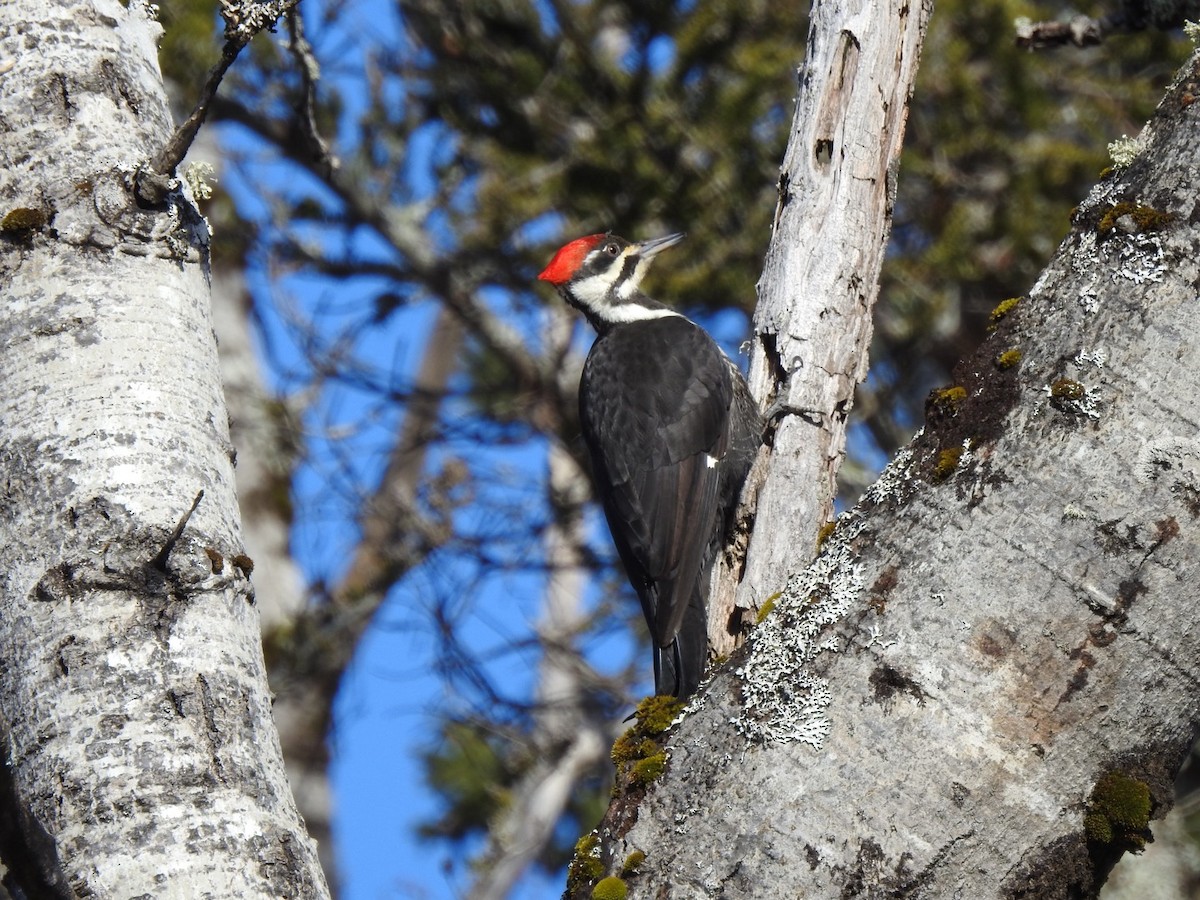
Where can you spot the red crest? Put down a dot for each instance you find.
(568, 259)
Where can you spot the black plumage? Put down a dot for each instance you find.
(654, 402)
(671, 431)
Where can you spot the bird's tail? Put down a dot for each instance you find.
(679, 666)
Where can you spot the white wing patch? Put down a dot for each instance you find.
(711, 460)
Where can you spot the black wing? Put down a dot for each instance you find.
(655, 400)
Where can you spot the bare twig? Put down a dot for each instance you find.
(243, 20)
(160, 560)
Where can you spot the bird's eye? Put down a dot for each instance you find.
(612, 249)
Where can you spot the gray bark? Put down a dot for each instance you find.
(933, 705)
(139, 753)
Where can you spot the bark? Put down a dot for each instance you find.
(140, 756)
(987, 680)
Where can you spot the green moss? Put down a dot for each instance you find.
(585, 866)
(768, 605)
(824, 533)
(1066, 389)
(655, 714)
(945, 401)
(1145, 218)
(633, 862)
(947, 462)
(1009, 358)
(632, 746)
(1118, 812)
(610, 888)
(23, 219)
(1003, 308)
(639, 757)
(650, 769)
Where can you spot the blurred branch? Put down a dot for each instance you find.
(1082, 31)
(306, 105)
(448, 278)
(571, 736)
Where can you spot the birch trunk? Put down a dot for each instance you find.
(139, 753)
(984, 685)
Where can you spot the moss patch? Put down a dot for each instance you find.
(610, 888)
(1144, 218)
(654, 715)
(638, 755)
(973, 411)
(645, 771)
(823, 534)
(1008, 359)
(947, 462)
(1064, 389)
(1001, 312)
(943, 403)
(585, 866)
(633, 862)
(768, 605)
(1118, 812)
(23, 219)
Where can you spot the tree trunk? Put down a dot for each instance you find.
(984, 685)
(140, 756)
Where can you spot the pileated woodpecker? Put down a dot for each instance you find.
(672, 431)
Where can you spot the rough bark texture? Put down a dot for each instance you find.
(985, 683)
(821, 274)
(139, 754)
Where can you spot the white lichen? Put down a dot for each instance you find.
(1191, 30)
(784, 701)
(200, 177)
(1089, 299)
(895, 483)
(1124, 150)
(246, 18)
(1097, 358)
(1142, 259)
(1174, 456)
(875, 638)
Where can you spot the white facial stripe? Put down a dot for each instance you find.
(592, 292)
(595, 293)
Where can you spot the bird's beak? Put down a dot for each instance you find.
(650, 249)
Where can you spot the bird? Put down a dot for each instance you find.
(671, 430)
